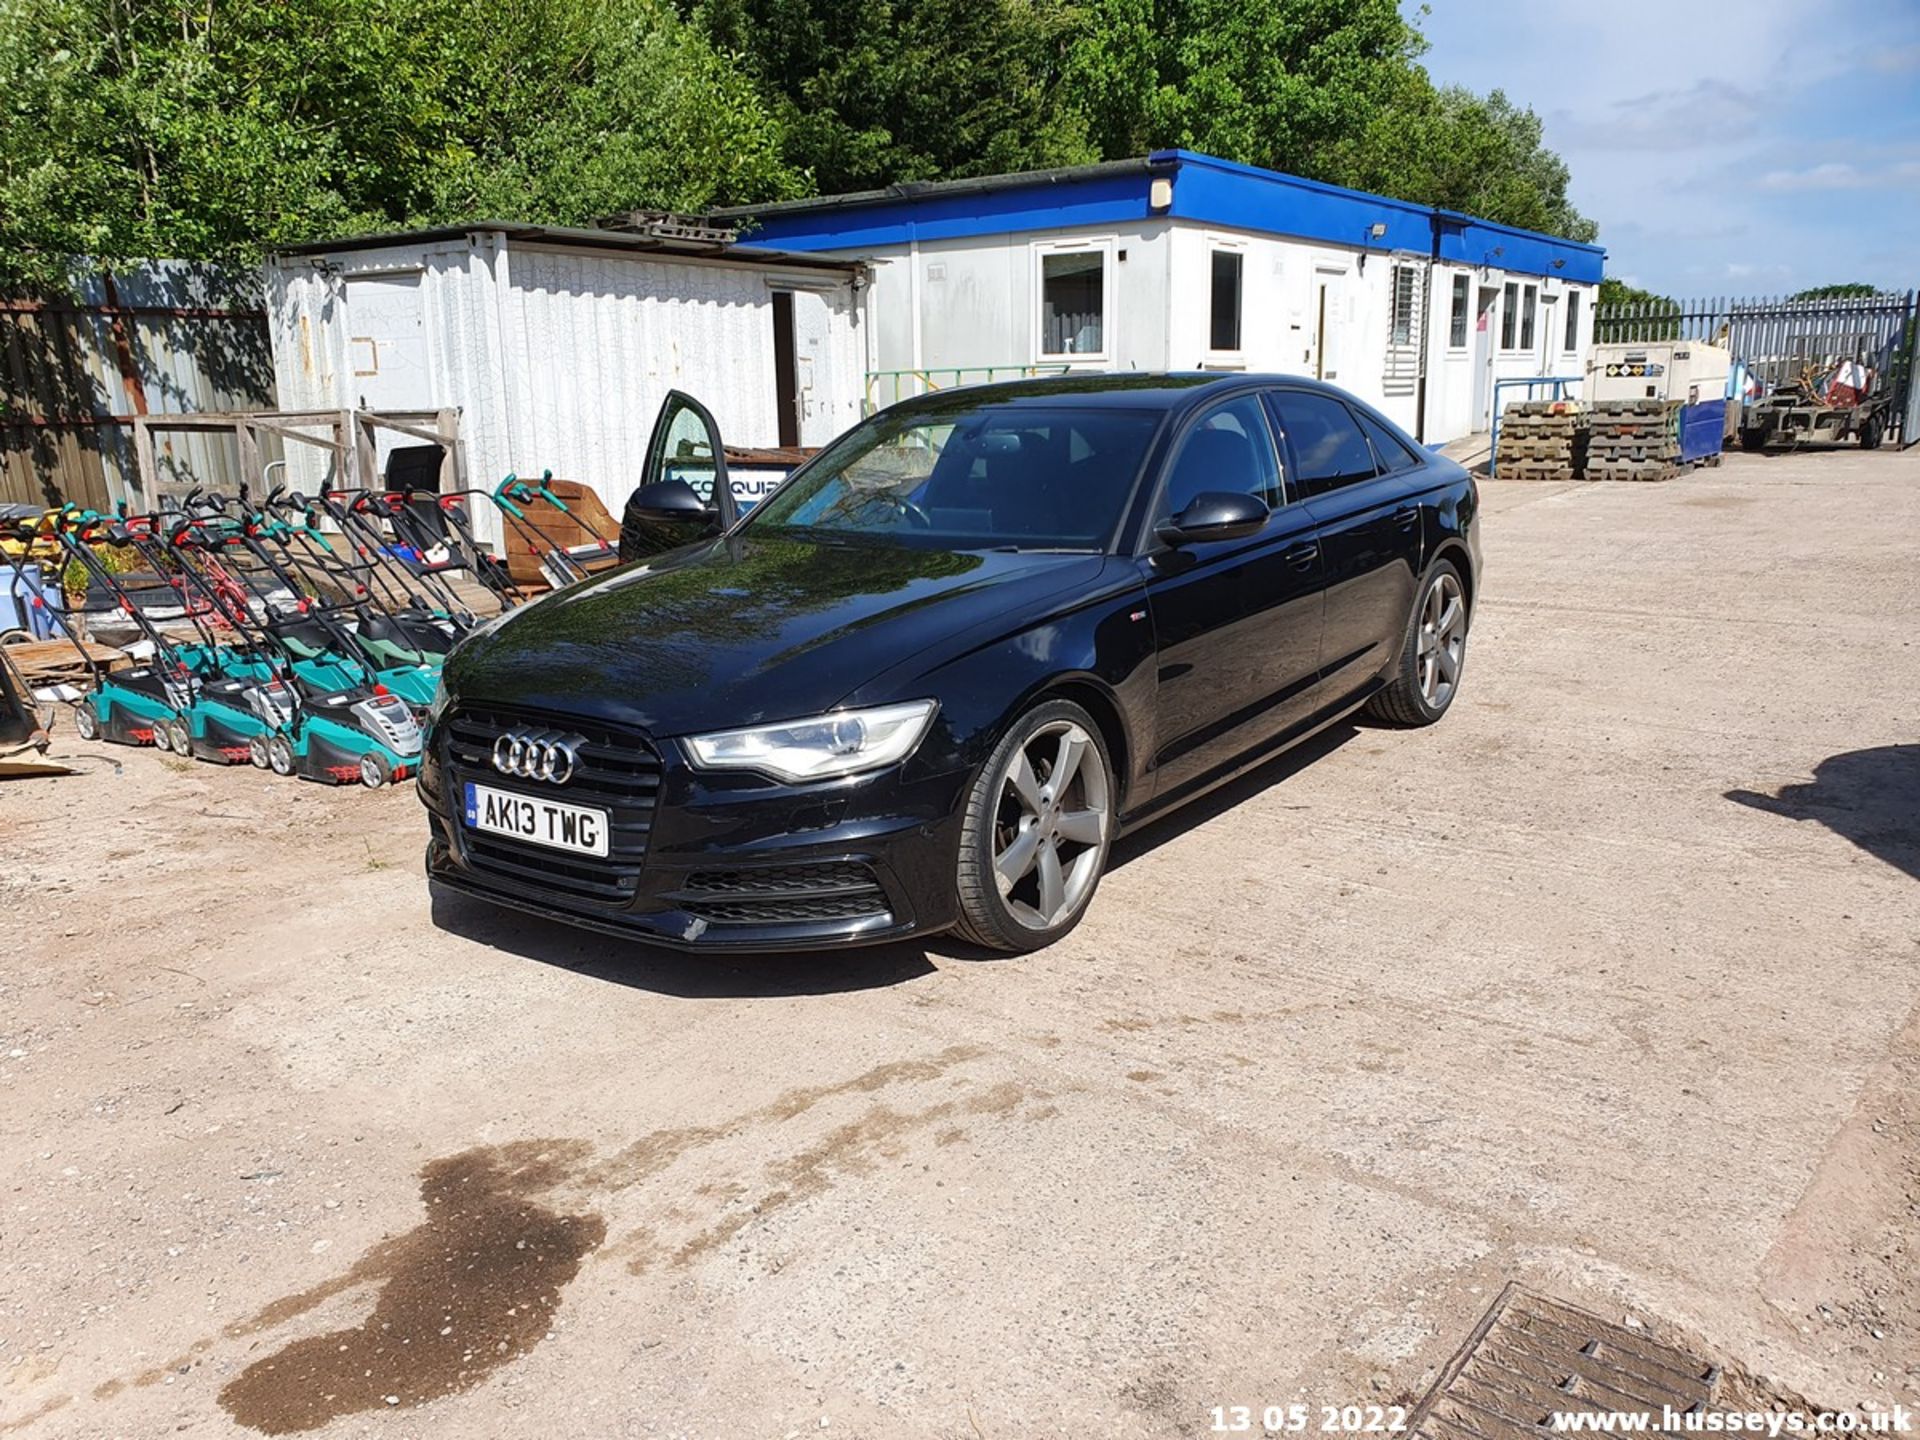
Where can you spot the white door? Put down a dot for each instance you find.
(1484, 320)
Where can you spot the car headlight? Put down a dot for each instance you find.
(823, 746)
(439, 705)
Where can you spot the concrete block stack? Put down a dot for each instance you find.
(1541, 440)
(1633, 440)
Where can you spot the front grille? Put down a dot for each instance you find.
(617, 771)
(785, 895)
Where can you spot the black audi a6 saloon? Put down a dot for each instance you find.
(926, 682)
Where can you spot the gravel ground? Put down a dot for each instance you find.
(1606, 984)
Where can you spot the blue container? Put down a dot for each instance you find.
(1703, 429)
(25, 595)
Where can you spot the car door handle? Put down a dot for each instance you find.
(1302, 556)
(1406, 519)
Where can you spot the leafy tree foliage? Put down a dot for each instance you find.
(872, 92)
(1618, 292)
(1851, 290)
(157, 127)
(876, 91)
(214, 128)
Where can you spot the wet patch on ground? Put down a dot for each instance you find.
(473, 1286)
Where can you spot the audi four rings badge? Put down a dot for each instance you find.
(538, 756)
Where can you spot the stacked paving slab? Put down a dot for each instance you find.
(1633, 440)
(1542, 440)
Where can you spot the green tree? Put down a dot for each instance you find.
(1851, 290)
(1626, 312)
(151, 127)
(873, 92)
(1481, 155)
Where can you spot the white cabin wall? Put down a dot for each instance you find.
(976, 304)
(558, 358)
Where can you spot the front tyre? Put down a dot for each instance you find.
(374, 770)
(1039, 821)
(1433, 656)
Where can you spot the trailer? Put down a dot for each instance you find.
(1846, 402)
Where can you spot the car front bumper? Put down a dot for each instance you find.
(717, 861)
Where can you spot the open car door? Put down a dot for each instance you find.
(685, 494)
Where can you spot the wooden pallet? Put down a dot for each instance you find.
(57, 662)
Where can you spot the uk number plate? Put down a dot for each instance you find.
(537, 820)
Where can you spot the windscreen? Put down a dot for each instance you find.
(997, 477)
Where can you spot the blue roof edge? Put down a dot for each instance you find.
(1208, 190)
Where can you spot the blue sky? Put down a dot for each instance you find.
(1724, 148)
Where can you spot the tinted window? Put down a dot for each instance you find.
(1229, 450)
(1388, 448)
(964, 477)
(1224, 332)
(1328, 449)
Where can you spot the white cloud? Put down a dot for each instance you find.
(1844, 175)
(1759, 154)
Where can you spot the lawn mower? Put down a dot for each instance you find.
(218, 724)
(328, 717)
(311, 628)
(130, 706)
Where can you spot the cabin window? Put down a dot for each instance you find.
(1073, 302)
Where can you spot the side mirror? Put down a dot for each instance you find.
(1215, 515)
(666, 501)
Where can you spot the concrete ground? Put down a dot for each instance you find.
(1608, 983)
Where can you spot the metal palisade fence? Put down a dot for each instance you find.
(1779, 339)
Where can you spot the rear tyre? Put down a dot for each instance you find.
(86, 724)
(280, 755)
(374, 770)
(257, 752)
(1433, 655)
(1871, 433)
(179, 738)
(162, 741)
(1039, 821)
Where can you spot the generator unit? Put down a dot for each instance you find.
(1687, 378)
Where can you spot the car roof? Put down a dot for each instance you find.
(1128, 389)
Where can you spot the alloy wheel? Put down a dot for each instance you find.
(1443, 640)
(1050, 826)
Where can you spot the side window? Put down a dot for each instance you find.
(1230, 449)
(1328, 449)
(1388, 448)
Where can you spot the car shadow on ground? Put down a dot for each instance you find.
(684, 975)
(1872, 797)
(1234, 793)
(815, 972)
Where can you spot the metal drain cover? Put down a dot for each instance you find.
(1531, 1358)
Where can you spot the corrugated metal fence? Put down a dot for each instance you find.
(168, 338)
(1777, 338)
